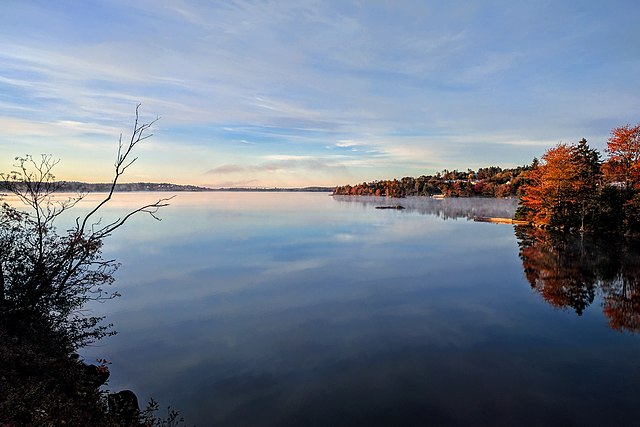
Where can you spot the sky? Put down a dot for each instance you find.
(304, 92)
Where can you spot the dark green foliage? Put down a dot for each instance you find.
(44, 383)
(608, 214)
(53, 274)
(41, 383)
(590, 178)
(50, 274)
(46, 278)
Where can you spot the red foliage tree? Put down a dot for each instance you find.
(562, 190)
(552, 186)
(623, 164)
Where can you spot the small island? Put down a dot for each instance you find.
(397, 207)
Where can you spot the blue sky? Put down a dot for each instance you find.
(305, 92)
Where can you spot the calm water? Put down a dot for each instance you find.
(259, 309)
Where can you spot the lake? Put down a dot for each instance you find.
(279, 309)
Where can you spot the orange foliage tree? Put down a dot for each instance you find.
(623, 165)
(622, 169)
(557, 189)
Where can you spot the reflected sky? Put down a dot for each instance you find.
(305, 309)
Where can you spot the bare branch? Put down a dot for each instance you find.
(53, 273)
(151, 209)
(121, 164)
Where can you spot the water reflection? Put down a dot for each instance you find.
(301, 309)
(570, 271)
(448, 208)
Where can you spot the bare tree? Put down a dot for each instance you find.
(51, 274)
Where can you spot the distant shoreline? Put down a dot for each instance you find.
(84, 187)
(279, 190)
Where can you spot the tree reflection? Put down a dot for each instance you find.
(570, 271)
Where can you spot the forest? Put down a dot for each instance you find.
(571, 187)
(490, 181)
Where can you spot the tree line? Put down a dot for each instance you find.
(572, 188)
(492, 181)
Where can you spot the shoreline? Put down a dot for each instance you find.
(497, 220)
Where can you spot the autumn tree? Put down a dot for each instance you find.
(562, 190)
(487, 182)
(551, 186)
(623, 164)
(622, 171)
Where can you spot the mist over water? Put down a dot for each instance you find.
(447, 208)
(250, 309)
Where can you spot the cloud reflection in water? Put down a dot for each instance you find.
(285, 309)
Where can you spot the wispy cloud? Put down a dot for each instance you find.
(227, 169)
(346, 143)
